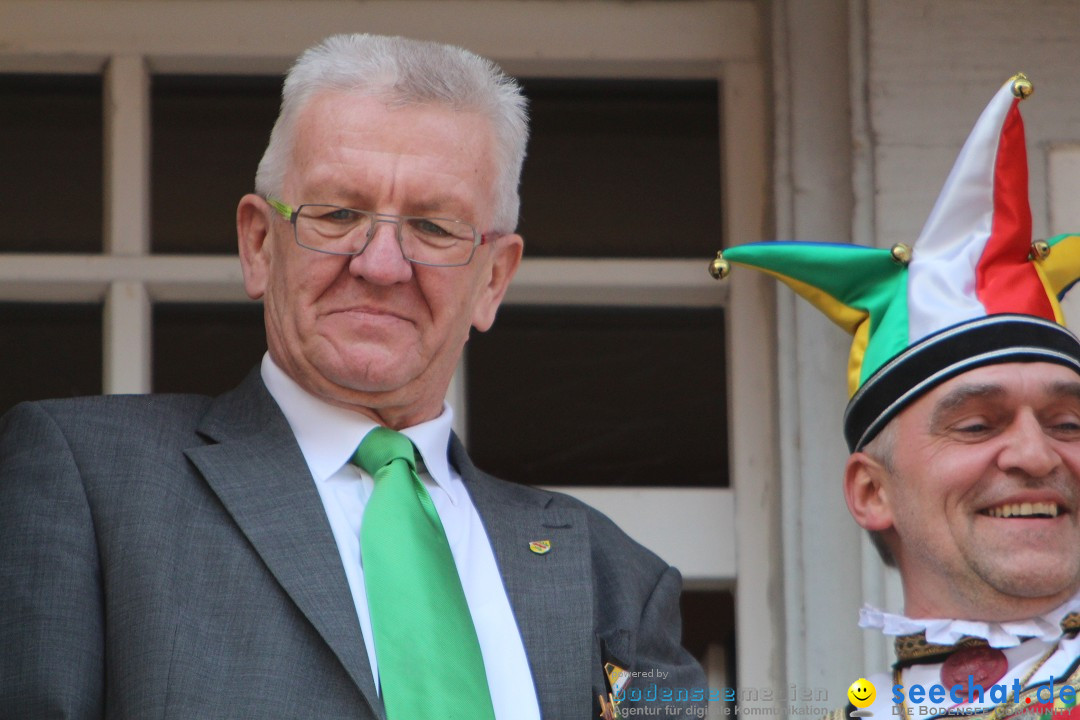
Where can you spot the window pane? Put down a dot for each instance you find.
(208, 135)
(622, 168)
(600, 396)
(205, 349)
(49, 351)
(51, 132)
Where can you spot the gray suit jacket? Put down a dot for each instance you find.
(169, 557)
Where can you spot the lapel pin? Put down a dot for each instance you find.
(617, 678)
(540, 547)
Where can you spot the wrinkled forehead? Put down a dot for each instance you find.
(1006, 383)
(1038, 384)
(341, 136)
(339, 114)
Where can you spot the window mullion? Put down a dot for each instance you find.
(127, 156)
(628, 282)
(127, 327)
(751, 382)
(127, 340)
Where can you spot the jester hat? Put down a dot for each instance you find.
(973, 290)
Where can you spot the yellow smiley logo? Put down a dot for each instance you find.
(861, 693)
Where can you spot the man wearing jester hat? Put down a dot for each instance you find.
(964, 431)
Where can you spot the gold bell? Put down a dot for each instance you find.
(1021, 86)
(1040, 250)
(901, 253)
(719, 268)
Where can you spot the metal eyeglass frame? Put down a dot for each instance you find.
(291, 214)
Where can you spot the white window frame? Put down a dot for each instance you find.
(725, 538)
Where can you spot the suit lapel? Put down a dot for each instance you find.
(551, 594)
(258, 472)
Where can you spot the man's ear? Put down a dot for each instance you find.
(866, 492)
(253, 217)
(505, 260)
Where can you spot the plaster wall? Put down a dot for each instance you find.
(932, 67)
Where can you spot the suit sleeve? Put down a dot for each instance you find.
(678, 679)
(640, 627)
(660, 639)
(51, 626)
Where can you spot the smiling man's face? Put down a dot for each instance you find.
(979, 502)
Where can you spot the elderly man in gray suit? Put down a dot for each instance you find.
(317, 543)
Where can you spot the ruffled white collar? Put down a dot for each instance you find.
(943, 631)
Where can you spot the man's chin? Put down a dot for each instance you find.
(370, 383)
(1037, 578)
(367, 368)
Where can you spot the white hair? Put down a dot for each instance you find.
(406, 72)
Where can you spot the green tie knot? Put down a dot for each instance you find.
(382, 446)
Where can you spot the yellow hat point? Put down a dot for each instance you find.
(862, 693)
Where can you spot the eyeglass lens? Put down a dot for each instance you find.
(340, 230)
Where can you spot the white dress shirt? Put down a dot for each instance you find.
(328, 436)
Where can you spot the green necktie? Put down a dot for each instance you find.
(430, 664)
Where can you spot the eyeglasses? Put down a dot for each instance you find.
(334, 230)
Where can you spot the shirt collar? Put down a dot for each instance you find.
(949, 631)
(328, 435)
